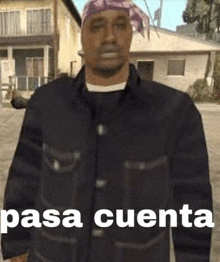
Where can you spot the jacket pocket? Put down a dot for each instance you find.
(61, 161)
(146, 183)
(49, 247)
(154, 250)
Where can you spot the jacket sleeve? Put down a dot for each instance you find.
(23, 180)
(190, 175)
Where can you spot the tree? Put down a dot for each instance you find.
(216, 76)
(206, 13)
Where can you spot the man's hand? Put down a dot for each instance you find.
(22, 258)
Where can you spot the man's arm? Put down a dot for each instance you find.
(23, 180)
(190, 175)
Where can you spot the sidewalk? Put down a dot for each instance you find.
(208, 107)
(10, 123)
(211, 120)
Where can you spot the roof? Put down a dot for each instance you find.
(170, 41)
(70, 5)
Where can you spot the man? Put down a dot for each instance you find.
(108, 140)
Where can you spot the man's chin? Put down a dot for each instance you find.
(108, 70)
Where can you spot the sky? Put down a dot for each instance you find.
(171, 11)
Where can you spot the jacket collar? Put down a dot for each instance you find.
(132, 83)
(132, 87)
(134, 79)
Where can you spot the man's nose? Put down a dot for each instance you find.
(110, 34)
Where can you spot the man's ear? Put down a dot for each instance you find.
(131, 33)
(82, 40)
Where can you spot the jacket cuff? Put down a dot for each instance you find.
(14, 248)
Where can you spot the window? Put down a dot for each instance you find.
(39, 21)
(10, 23)
(176, 67)
(35, 66)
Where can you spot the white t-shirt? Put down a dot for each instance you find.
(105, 89)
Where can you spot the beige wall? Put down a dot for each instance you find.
(195, 67)
(23, 6)
(68, 30)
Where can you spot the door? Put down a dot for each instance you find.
(34, 71)
(146, 69)
(6, 70)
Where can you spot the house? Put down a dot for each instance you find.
(38, 41)
(173, 59)
(190, 30)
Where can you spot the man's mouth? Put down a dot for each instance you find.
(109, 54)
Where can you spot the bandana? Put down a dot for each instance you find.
(138, 18)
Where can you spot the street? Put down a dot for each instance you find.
(10, 122)
(211, 120)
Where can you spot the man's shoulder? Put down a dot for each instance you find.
(162, 96)
(58, 89)
(158, 89)
(58, 85)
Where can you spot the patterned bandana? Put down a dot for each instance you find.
(138, 18)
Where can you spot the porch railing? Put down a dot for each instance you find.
(21, 83)
(30, 83)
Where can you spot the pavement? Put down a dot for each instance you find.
(10, 123)
(211, 121)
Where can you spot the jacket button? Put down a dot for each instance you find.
(100, 183)
(97, 232)
(56, 165)
(77, 155)
(101, 130)
(141, 166)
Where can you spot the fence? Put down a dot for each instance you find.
(21, 83)
(29, 83)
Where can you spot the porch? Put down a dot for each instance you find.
(24, 84)
(25, 68)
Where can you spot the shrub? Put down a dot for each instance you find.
(216, 76)
(199, 90)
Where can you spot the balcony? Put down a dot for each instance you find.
(37, 30)
(26, 40)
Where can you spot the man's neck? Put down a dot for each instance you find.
(97, 79)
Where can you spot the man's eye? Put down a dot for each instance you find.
(97, 27)
(120, 25)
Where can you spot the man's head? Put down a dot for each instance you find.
(106, 39)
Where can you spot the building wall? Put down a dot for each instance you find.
(68, 30)
(23, 6)
(190, 30)
(195, 67)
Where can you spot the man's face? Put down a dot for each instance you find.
(106, 39)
